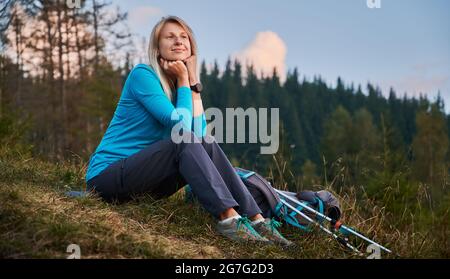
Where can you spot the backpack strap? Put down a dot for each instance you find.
(244, 175)
(291, 220)
(279, 209)
(257, 182)
(321, 210)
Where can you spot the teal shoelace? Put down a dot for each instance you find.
(247, 223)
(274, 225)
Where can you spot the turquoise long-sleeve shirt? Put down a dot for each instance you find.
(143, 116)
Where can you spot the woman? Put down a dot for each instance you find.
(137, 154)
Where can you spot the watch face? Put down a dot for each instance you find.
(199, 87)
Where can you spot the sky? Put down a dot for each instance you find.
(404, 44)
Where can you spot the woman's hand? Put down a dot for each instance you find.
(176, 69)
(191, 65)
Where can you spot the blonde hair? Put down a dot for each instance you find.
(153, 51)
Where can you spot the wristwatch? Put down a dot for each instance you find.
(197, 88)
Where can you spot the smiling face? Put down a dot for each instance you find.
(174, 42)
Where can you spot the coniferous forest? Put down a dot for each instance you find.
(59, 86)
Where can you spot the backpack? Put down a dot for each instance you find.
(269, 201)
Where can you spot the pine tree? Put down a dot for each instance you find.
(430, 147)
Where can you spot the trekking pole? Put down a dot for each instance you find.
(339, 239)
(339, 224)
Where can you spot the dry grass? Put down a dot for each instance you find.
(38, 221)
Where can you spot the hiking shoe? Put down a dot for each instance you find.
(268, 229)
(240, 229)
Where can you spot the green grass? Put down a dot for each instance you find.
(38, 221)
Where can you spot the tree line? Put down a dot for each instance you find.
(339, 134)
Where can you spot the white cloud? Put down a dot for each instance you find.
(265, 52)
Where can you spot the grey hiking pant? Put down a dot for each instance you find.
(164, 167)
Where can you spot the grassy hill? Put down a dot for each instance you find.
(37, 220)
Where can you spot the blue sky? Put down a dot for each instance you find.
(404, 43)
